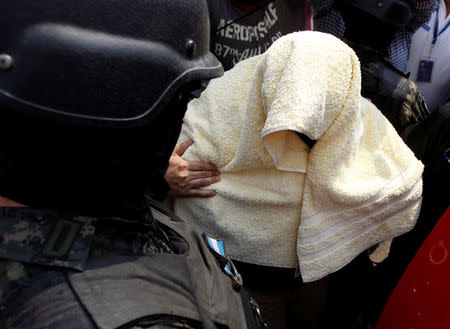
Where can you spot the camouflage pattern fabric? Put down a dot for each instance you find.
(34, 243)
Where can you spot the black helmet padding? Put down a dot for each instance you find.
(111, 62)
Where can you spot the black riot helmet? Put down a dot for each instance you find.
(92, 97)
(113, 63)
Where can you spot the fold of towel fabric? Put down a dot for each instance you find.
(280, 203)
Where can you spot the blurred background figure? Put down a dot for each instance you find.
(380, 33)
(429, 60)
(244, 28)
(429, 67)
(386, 26)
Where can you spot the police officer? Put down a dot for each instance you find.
(92, 95)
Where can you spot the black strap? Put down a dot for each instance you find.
(252, 312)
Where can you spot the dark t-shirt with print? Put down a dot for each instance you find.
(251, 35)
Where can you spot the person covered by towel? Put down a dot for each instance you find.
(379, 34)
(312, 173)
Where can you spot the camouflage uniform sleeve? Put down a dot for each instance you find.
(12, 275)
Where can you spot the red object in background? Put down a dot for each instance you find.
(421, 299)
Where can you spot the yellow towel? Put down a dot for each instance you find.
(278, 202)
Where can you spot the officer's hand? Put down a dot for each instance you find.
(185, 178)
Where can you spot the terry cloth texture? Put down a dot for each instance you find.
(280, 203)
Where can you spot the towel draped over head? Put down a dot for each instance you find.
(280, 203)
